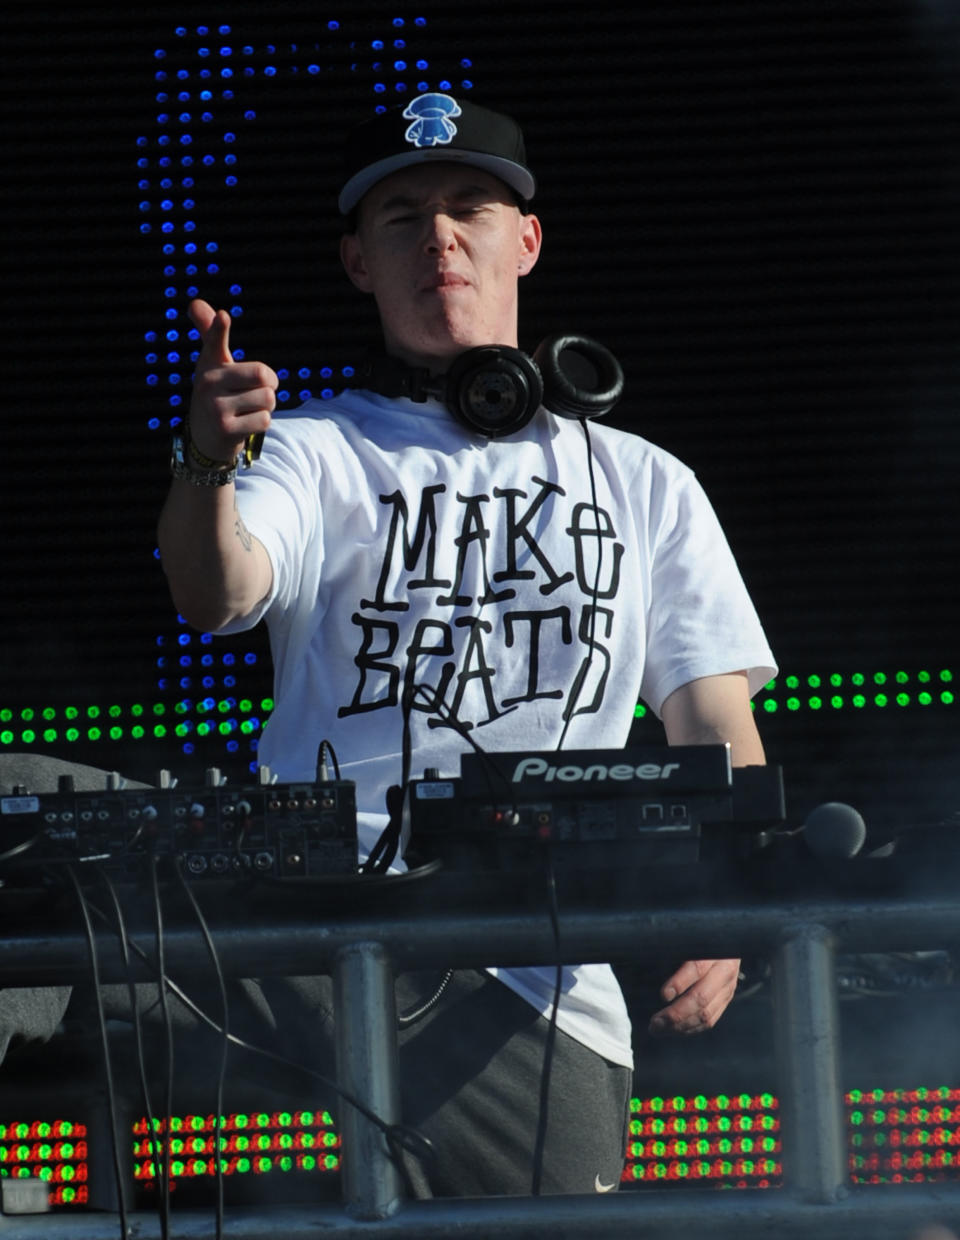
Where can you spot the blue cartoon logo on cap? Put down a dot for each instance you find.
(431, 115)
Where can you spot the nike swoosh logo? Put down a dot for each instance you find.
(602, 1188)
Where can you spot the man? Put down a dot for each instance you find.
(415, 574)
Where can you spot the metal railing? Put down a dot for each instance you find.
(363, 941)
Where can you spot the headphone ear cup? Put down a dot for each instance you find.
(581, 378)
(494, 390)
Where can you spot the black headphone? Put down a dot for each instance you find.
(495, 390)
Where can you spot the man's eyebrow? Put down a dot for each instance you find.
(407, 202)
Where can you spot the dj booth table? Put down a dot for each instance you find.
(798, 916)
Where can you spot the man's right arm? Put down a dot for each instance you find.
(217, 571)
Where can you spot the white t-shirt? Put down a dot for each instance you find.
(409, 552)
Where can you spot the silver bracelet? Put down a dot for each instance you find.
(180, 467)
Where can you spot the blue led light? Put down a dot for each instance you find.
(423, 64)
(154, 424)
(305, 394)
(226, 51)
(250, 659)
(231, 181)
(303, 372)
(152, 380)
(151, 359)
(269, 71)
(400, 66)
(203, 51)
(377, 45)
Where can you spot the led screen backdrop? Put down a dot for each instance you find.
(754, 206)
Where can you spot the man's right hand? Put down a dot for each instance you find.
(231, 400)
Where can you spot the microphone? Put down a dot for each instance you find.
(834, 831)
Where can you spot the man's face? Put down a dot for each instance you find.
(441, 247)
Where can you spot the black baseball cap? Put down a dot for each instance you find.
(434, 127)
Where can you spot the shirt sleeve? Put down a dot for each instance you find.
(701, 620)
(277, 499)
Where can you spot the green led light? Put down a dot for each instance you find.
(857, 678)
(159, 708)
(137, 733)
(136, 710)
(223, 706)
(836, 680)
(204, 729)
(71, 712)
(93, 712)
(28, 737)
(815, 703)
(946, 677)
(792, 682)
(879, 678)
(245, 706)
(73, 734)
(26, 715)
(50, 736)
(813, 682)
(793, 703)
(6, 738)
(946, 698)
(903, 699)
(6, 716)
(159, 731)
(770, 706)
(115, 712)
(49, 713)
(880, 700)
(116, 734)
(902, 678)
(859, 700)
(836, 702)
(266, 704)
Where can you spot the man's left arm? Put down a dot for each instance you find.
(708, 711)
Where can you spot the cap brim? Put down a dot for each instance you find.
(519, 179)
